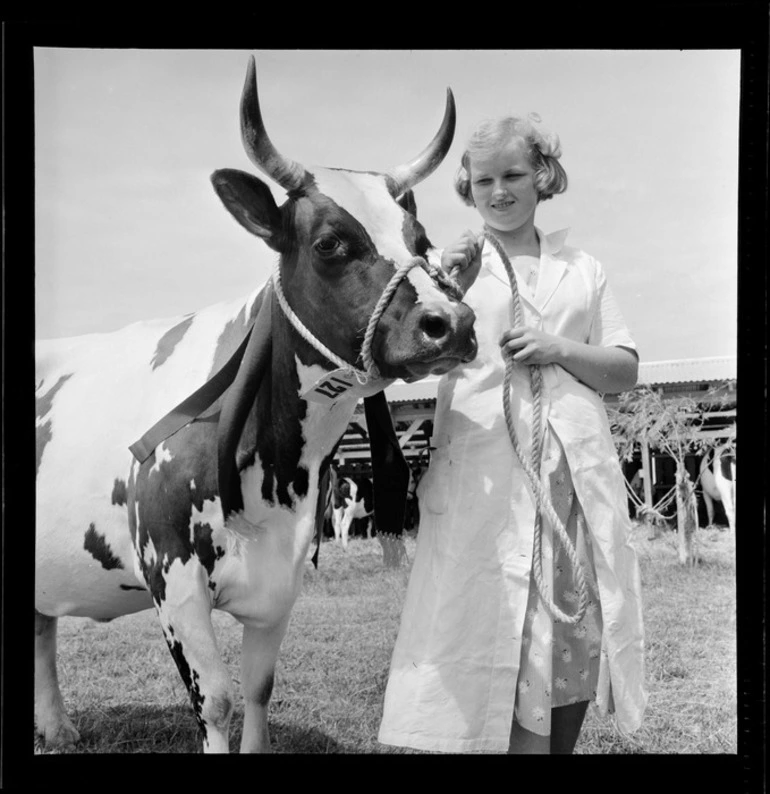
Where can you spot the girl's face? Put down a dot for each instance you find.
(502, 187)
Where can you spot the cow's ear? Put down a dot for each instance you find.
(251, 203)
(408, 203)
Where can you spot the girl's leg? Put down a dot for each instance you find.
(524, 742)
(566, 722)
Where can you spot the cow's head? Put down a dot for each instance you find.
(341, 236)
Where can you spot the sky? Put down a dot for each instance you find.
(128, 227)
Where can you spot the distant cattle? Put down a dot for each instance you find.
(637, 485)
(353, 511)
(718, 481)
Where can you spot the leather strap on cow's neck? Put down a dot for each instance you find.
(244, 373)
(390, 471)
(191, 407)
(238, 402)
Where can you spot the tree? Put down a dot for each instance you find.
(671, 426)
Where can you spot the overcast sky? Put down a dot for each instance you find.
(128, 226)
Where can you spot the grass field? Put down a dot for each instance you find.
(125, 696)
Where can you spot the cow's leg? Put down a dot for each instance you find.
(52, 721)
(724, 474)
(733, 497)
(347, 520)
(337, 522)
(186, 623)
(258, 659)
(726, 489)
(709, 490)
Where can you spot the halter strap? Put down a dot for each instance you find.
(202, 398)
(363, 376)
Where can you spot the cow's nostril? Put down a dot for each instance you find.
(434, 325)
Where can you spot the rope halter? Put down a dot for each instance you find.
(369, 371)
(532, 467)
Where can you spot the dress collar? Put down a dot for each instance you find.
(552, 266)
(552, 243)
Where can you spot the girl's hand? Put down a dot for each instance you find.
(607, 370)
(530, 346)
(462, 259)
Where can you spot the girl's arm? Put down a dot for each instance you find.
(608, 370)
(605, 369)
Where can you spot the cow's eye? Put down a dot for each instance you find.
(327, 246)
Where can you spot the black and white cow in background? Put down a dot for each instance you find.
(353, 500)
(718, 481)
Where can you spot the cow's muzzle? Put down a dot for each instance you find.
(432, 339)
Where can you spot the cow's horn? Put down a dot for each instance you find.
(287, 173)
(408, 175)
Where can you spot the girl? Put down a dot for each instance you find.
(524, 602)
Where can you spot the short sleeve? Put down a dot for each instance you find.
(608, 328)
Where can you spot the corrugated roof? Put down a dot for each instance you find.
(685, 370)
(424, 389)
(689, 370)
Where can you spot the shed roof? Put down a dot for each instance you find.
(684, 370)
(424, 389)
(689, 370)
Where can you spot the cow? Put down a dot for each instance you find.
(717, 476)
(220, 513)
(353, 501)
(637, 488)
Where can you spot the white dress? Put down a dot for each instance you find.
(458, 655)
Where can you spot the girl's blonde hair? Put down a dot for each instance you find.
(543, 150)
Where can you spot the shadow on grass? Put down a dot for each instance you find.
(292, 739)
(173, 729)
(133, 729)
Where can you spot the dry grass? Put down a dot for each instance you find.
(691, 653)
(125, 696)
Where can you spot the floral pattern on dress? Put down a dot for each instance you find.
(559, 662)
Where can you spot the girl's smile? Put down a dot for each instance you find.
(503, 189)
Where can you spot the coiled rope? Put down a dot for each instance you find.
(369, 371)
(532, 467)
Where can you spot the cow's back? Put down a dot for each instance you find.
(96, 395)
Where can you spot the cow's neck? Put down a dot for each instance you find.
(234, 331)
(290, 440)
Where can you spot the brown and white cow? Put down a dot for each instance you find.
(116, 536)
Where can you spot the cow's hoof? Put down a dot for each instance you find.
(61, 734)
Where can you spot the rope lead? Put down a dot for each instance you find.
(370, 370)
(532, 467)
